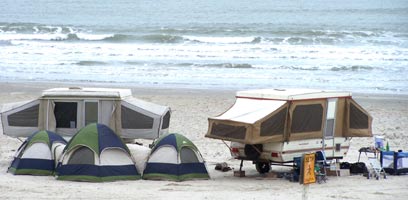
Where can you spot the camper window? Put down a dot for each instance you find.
(166, 120)
(25, 118)
(328, 132)
(307, 118)
(275, 125)
(91, 112)
(228, 131)
(358, 119)
(132, 119)
(66, 114)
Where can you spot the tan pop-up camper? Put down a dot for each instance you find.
(66, 110)
(273, 125)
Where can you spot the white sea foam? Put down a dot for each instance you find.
(15, 36)
(221, 40)
(87, 36)
(368, 68)
(57, 35)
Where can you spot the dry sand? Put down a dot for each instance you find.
(190, 111)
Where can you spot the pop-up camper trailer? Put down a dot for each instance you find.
(273, 125)
(66, 110)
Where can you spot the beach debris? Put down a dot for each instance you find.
(222, 167)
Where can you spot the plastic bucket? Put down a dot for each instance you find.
(379, 142)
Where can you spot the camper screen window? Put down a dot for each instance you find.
(228, 131)
(358, 119)
(275, 125)
(166, 120)
(135, 120)
(25, 118)
(66, 114)
(307, 118)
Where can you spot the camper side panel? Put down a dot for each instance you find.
(307, 119)
(340, 117)
(271, 128)
(139, 123)
(21, 121)
(358, 120)
(230, 131)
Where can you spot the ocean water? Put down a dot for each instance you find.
(354, 45)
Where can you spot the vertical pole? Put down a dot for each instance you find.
(305, 192)
(47, 118)
(240, 166)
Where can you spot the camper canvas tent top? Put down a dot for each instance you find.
(66, 110)
(282, 124)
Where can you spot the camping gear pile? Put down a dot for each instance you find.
(97, 154)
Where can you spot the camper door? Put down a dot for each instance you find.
(68, 117)
(329, 128)
(72, 116)
(22, 120)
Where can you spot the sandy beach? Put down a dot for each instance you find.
(190, 110)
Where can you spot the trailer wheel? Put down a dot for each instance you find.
(263, 167)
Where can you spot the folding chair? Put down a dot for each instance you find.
(375, 169)
(320, 167)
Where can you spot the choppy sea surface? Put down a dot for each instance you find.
(354, 45)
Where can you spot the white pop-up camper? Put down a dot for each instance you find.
(66, 110)
(272, 125)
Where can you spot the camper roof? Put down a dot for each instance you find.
(87, 92)
(290, 94)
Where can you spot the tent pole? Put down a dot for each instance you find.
(323, 144)
(227, 145)
(48, 108)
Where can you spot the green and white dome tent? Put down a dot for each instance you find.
(96, 154)
(175, 157)
(38, 154)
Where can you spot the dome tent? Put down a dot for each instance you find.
(96, 154)
(174, 157)
(37, 155)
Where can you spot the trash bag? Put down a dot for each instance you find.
(345, 165)
(358, 168)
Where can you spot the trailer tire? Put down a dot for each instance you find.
(263, 167)
(252, 151)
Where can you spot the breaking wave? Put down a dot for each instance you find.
(352, 68)
(91, 63)
(213, 35)
(227, 65)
